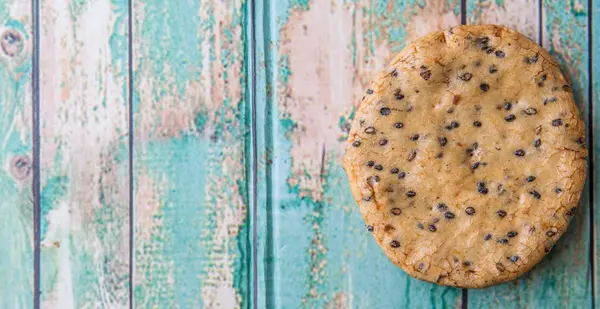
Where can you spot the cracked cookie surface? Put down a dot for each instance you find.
(467, 156)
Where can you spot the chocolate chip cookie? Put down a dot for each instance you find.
(467, 156)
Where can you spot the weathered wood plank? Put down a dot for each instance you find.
(190, 183)
(520, 15)
(563, 278)
(84, 154)
(16, 200)
(595, 123)
(314, 59)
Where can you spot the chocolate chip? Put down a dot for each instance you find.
(439, 155)
(530, 178)
(477, 123)
(489, 50)
(557, 122)
(367, 198)
(369, 91)
(454, 124)
(401, 175)
(394, 244)
(482, 41)
(411, 193)
(432, 228)
(475, 145)
(442, 207)
(537, 143)
(484, 87)
(356, 143)
(399, 96)
(530, 111)
(370, 130)
(385, 111)
(519, 152)
(396, 211)
(487, 237)
(412, 155)
(395, 170)
(501, 213)
(470, 211)
(481, 188)
(466, 77)
(558, 190)
(535, 194)
(414, 137)
(370, 163)
(514, 258)
(510, 118)
(493, 69)
(420, 225)
(503, 241)
(550, 233)
(530, 60)
(499, 54)
(550, 100)
(443, 141)
(475, 165)
(378, 167)
(571, 212)
(383, 141)
(507, 106)
(449, 215)
(512, 234)
(370, 228)
(395, 73)
(426, 75)
(398, 125)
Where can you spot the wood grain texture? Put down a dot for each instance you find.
(520, 15)
(84, 154)
(190, 177)
(314, 59)
(563, 278)
(595, 123)
(16, 200)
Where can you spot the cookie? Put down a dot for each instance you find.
(467, 157)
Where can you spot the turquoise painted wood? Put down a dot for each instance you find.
(190, 172)
(595, 123)
(84, 150)
(16, 207)
(314, 59)
(239, 198)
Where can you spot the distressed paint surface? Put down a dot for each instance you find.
(563, 278)
(84, 154)
(314, 59)
(595, 99)
(190, 174)
(520, 15)
(16, 200)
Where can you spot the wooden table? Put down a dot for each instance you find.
(186, 153)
